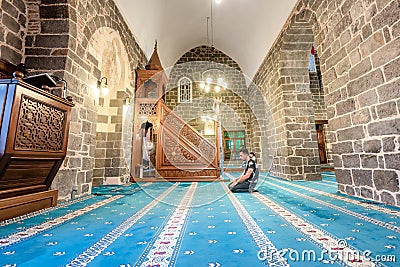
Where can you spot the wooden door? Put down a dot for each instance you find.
(321, 143)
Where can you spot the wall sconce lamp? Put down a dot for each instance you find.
(126, 105)
(102, 86)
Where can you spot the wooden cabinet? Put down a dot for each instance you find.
(34, 126)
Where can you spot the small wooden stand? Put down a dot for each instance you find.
(34, 126)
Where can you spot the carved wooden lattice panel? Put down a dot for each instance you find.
(174, 153)
(188, 174)
(191, 135)
(40, 126)
(207, 150)
(147, 109)
(180, 128)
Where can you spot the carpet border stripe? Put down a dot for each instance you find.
(95, 250)
(263, 242)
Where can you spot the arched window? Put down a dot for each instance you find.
(311, 65)
(185, 90)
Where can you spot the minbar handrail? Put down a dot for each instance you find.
(189, 143)
(193, 149)
(182, 121)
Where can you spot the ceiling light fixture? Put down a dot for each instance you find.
(212, 78)
(126, 105)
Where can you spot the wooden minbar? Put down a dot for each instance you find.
(181, 153)
(34, 126)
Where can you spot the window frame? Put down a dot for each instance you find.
(190, 84)
(314, 63)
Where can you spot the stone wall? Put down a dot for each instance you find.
(13, 30)
(235, 110)
(358, 42)
(317, 91)
(62, 37)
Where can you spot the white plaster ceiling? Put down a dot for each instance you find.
(243, 29)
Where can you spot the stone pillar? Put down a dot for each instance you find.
(297, 147)
(235, 98)
(358, 43)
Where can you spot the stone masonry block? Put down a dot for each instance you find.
(9, 9)
(386, 180)
(372, 146)
(362, 177)
(392, 161)
(360, 69)
(369, 161)
(353, 133)
(387, 17)
(342, 148)
(345, 107)
(386, 110)
(54, 26)
(343, 176)
(392, 69)
(365, 83)
(368, 98)
(371, 44)
(54, 11)
(10, 23)
(361, 116)
(351, 161)
(386, 127)
(389, 91)
(52, 41)
(387, 198)
(386, 53)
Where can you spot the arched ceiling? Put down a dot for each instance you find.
(243, 29)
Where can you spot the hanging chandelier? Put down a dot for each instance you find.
(212, 78)
(213, 81)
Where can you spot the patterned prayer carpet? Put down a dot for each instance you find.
(203, 224)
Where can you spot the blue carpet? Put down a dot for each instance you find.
(201, 224)
(115, 189)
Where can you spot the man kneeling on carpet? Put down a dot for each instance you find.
(242, 183)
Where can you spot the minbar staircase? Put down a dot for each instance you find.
(182, 153)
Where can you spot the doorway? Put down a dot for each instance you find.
(319, 125)
(234, 141)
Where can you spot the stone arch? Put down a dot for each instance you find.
(56, 42)
(192, 64)
(107, 54)
(298, 120)
(357, 56)
(101, 21)
(89, 16)
(304, 18)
